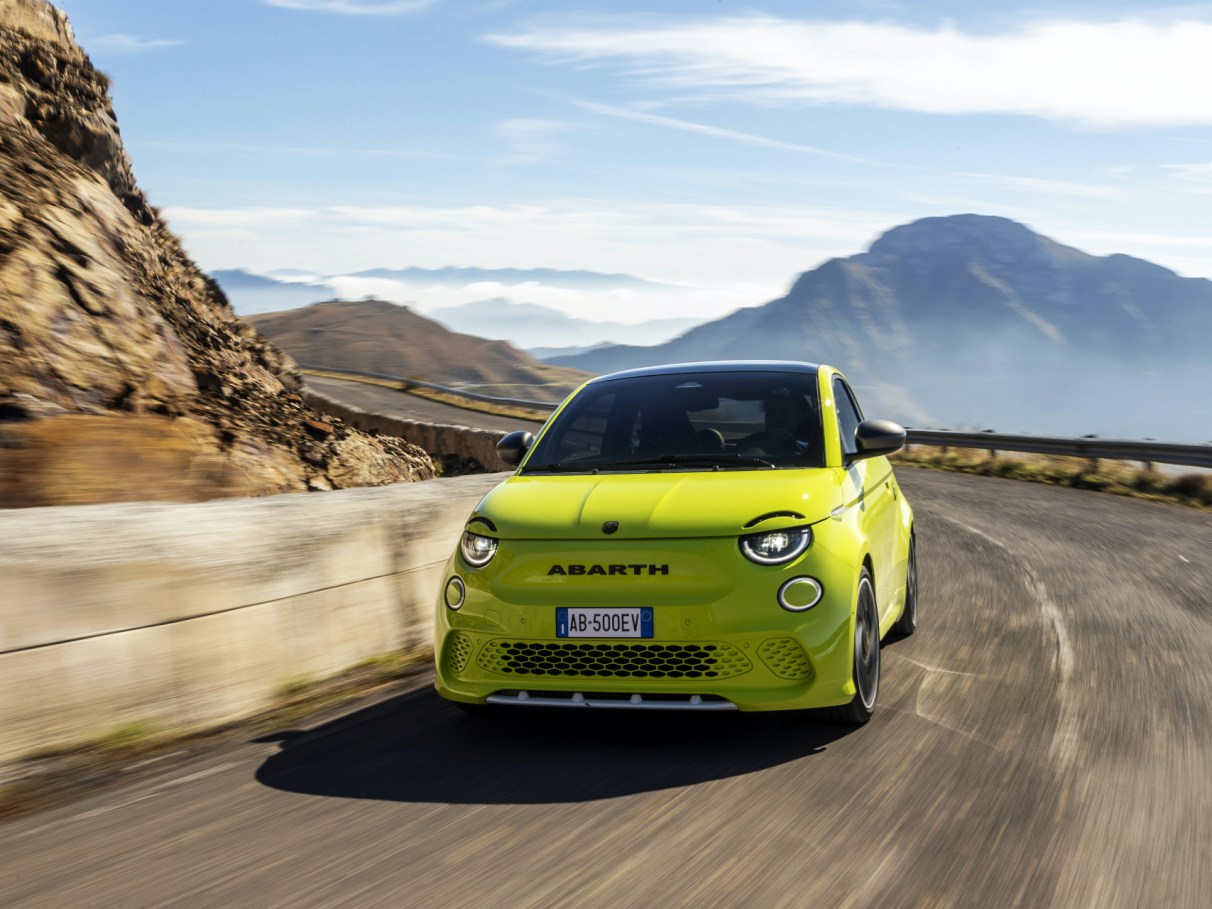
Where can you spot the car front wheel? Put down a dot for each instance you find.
(866, 659)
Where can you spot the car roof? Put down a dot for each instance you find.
(713, 366)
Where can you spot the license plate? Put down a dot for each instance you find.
(610, 622)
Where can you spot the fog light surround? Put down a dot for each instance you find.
(456, 593)
(800, 594)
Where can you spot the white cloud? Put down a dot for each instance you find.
(1201, 171)
(718, 132)
(356, 7)
(729, 256)
(120, 43)
(1128, 72)
(1049, 187)
(533, 140)
(244, 149)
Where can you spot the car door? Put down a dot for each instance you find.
(878, 504)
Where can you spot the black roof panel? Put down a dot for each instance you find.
(714, 366)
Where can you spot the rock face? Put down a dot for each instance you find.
(116, 352)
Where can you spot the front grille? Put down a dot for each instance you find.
(618, 661)
(785, 658)
(458, 651)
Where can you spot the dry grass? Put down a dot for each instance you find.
(1116, 477)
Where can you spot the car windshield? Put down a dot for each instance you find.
(686, 421)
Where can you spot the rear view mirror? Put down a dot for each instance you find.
(513, 447)
(878, 437)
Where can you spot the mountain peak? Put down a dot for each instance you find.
(958, 234)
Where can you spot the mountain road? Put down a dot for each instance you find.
(402, 405)
(1045, 739)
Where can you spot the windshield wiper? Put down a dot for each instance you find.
(563, 468)
(673, 460)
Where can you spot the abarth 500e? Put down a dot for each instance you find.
(703, 536)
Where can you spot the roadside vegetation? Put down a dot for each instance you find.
(1116, 477)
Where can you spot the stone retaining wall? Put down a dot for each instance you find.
(184, 616)
(463, 442)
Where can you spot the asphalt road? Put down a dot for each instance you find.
(391, 403)
(1044, 740)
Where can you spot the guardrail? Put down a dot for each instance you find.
(1146, 451)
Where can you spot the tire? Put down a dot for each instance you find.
(907, 623)
(866, 665)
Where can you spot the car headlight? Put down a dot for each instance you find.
(774, 547)
(477, 550)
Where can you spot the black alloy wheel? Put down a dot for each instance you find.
(866, 659)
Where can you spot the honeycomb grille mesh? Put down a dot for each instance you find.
(458, 652)
(619, 661)
(785, 658)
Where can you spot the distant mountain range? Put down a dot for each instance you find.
(377, 336)
(250, 293)
(434, 290)
(531, 325)
(971, 319)
(555, 277)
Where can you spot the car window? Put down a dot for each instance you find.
(724, 420)
(584, 435)
(848, 416)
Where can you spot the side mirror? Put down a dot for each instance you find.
(513, 447)
(878, 437)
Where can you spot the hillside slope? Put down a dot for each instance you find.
(377, 336)
(124, 373)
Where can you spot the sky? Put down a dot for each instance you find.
(721, 147)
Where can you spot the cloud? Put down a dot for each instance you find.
(120, 43)
(243, 149)
(356, 7)
(734, 255)
(1049, 187)
(718, 132)
(1121, 73)
(533, 140)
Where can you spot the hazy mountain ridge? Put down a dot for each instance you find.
(977, 319)
(252, 293)
(523, 324)
(532, 325)
(453, 274)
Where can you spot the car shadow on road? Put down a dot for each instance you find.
(418, 748)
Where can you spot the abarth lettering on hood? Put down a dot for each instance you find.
(590, 570)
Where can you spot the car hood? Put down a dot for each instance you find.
(658, 505)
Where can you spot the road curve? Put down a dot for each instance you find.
(392, 403)
(1044, 740)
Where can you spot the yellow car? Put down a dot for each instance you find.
(703, 536)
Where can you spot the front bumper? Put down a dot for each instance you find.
(719, 634)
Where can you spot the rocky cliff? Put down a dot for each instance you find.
(124, 373)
